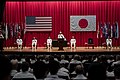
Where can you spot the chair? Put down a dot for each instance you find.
(90, 43)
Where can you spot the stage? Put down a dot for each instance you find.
(67, 50)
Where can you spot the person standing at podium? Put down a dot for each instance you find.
(61, 36)
(61, 39)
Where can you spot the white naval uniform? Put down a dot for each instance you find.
(73, 42)
(34, 43)
(109, 42)
(61, 36)
(19, 43)
(49, 43)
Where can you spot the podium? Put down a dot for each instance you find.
(60, 43)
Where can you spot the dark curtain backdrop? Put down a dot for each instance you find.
(105, 11)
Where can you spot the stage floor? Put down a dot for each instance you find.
(66, 49)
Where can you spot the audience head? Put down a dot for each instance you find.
(62, 57)
(76, 57)
(40, 69)
(54, 67)
(117, 71)
(5, 68)
(79, 69)
(118, 57)
(14, 65)
(25, 66)
(96, 71)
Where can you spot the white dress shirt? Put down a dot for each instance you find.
(19, 41)
(73, 41)
(34, 42)
(109, 41)
(49, 41)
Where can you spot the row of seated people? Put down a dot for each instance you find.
(108, 42)
(53, 71)
(49, 42)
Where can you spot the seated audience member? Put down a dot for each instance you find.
(5, 68)
(61, 36)
(49, 43)
(76, 59)
(117, 61)
(34, 43)
(63, 72)
(19, 42)
(96, 71)
(14, 68)
(79, 71)
(46, 60)
(63, 61)
(24, 73)
(117, 72)
(53, 68)
(73, 42)
(40, 70)
(109, 42)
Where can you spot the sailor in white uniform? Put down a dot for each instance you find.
(49, 43)
(34, 43)
(73, 42)
(61, 36)
(109, 42)
(19, 42)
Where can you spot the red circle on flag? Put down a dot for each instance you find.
(83, 23)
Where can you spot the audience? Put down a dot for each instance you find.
(117, 72)
(14, 68)
(59, 67)
(53, 68)
(96, 71)
(24, 73)
(5, 68)
(40, 70)
(80, 73)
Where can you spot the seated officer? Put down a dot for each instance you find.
(34, 43)
(73, 42)
(49, 43)
(19, 42)
(109, 42)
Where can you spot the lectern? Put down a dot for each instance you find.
(60, 43)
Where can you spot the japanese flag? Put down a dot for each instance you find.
(83, 23)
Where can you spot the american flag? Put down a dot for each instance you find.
(38, 23)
